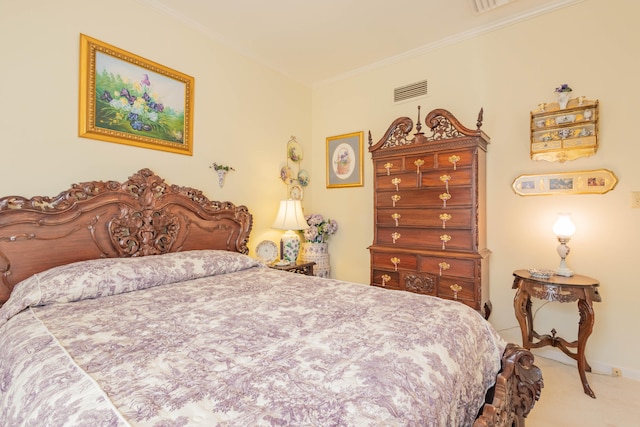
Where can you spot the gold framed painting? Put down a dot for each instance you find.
(127, 99)
(345, 160)
(583, 182)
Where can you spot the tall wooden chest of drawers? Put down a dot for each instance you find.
(429, 208)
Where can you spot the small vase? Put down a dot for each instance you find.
(221, 175)
(563, 99)
(318, 253)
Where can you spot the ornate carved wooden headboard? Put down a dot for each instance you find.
(138, 217)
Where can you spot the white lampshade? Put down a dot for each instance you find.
(290, 217)
(563, 226)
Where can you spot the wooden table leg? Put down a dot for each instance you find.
(587, 320)
(522, 305)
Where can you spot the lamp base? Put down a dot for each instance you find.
(289, 247)
(563, 251)
(564, 273)
(563, 270)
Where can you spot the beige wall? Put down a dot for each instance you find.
(508, 72)
(244, 113)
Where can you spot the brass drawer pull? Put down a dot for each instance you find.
(395, 198)
(418, 163)
(444, 197)
(395, 261)
(454, 159)
(396, 181)
(445, 179)
(444, 239)
(396, 217)
(444, 266)
(388, 167)
(385, 278)
(444, 217)
(455, 288)
(395, 236)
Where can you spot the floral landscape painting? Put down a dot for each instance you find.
(130, 100)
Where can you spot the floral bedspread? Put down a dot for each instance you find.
(208, 338)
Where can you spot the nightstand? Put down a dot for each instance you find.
(578, 288)
(298, 267)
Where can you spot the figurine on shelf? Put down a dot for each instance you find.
(564, 95)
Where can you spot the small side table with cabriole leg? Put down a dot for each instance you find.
(561, 289)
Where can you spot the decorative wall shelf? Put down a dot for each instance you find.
(559, 134)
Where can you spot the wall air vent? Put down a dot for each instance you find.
(481, 6)
(410, 91)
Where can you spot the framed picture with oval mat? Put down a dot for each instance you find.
(345, 160)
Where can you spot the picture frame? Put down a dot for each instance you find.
(127, 99)
(598, 181)
(345, 160)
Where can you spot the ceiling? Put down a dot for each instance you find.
(314, 41)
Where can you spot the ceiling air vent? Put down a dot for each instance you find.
(410, 91)
(481, 6)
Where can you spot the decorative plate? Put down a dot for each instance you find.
(303, 178)
(539, 273)
(295, 192)
(294, 151)
(267, 251)
(286, 175)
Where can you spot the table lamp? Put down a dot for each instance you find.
(290, 217)
(564, 229)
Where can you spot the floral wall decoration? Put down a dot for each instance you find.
(221, 171)
(297, 179)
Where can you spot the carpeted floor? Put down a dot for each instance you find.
(564, 404)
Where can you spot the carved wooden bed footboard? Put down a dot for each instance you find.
(517, 389)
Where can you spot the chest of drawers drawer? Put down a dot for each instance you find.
(449, 266)
(447, 179)
(426, 197)
(434, 238)
(394, 260)
(458, 290)
(385, 278)
(455, 159)
(439, 218)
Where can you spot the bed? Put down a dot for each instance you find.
(135, 304)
